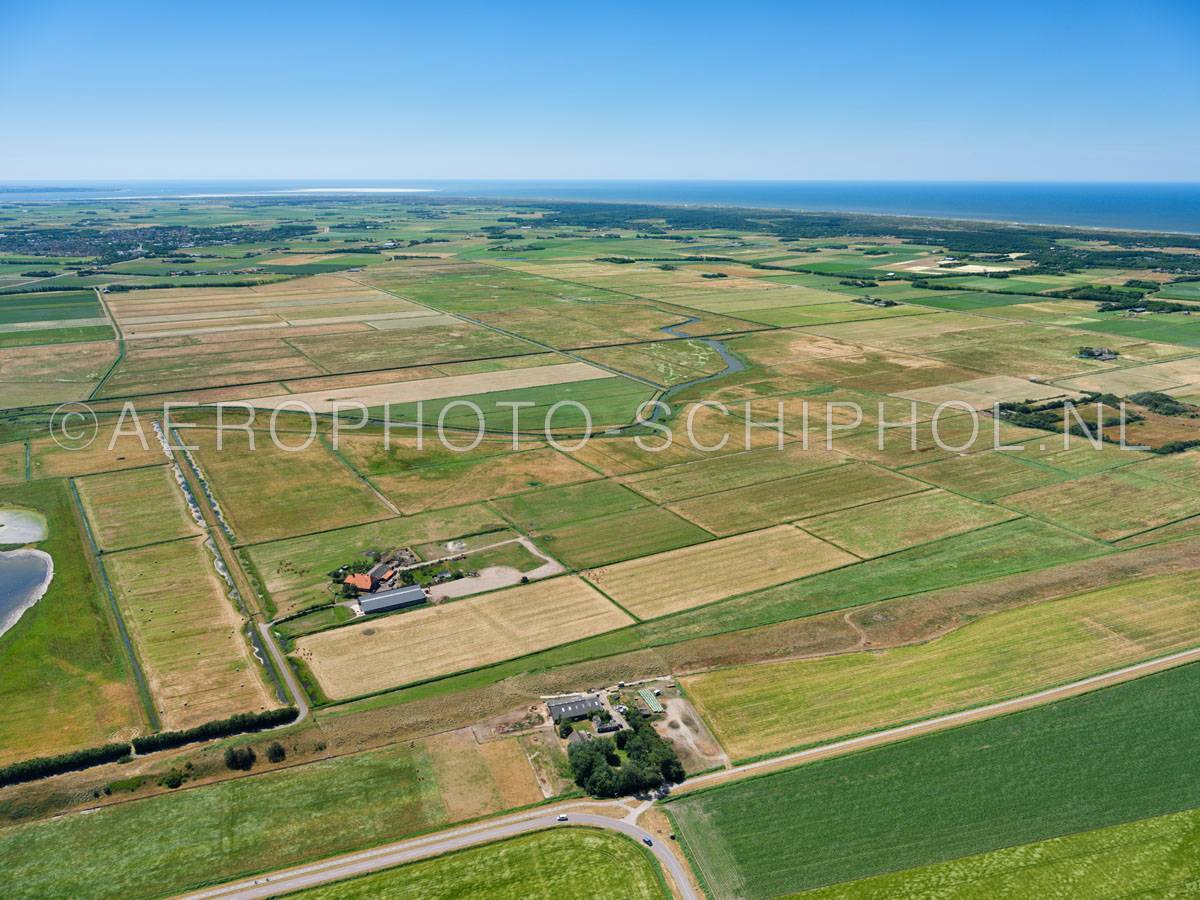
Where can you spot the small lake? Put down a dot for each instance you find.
(20, 526)
(24, 577)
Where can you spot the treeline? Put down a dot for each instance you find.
(33, 769)
(240, 723)
(115, 244)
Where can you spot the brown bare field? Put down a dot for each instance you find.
(269, 493)
(52, 461)
(621, 456)
(409, 391)
(475, 779)
(135, 507)
(453, 637)
(692, 576)
(187, 633)
(481, 479)
(983, 393)
(1176, 374)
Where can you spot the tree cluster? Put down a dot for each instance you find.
(649, 761)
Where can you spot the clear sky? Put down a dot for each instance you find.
(1101, 90)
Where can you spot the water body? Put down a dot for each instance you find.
(1155, 206)
(24, 577)
(21, 526)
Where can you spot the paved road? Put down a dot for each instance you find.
(395, 854)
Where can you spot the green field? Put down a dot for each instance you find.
(1072, 766)
(217, 832)
(610, 539)
(548, 865)
(766, 708)
(64, 679)
(1153, 857)
(552, 508)
(135, 507)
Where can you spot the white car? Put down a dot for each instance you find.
(562, 818)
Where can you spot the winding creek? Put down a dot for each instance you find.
(25, 574)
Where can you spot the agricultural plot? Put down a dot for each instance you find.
(711, 474)
(890, 525)
(64, 681)
(187, 634)
(12, 462)
(475, 778)
(664, 363)
(111, 450)
(54, 374)
(987, 475)
(788, 499)
(1068, 767)
(554, 507)
(767, 708)
(620, 536)
(135, 507)
(401, 392)
(693, 576)
(470, 482)
(519, 869)
(415, 646)
(1110, 505)
(37, 318)
(1151, 857)
(1020, 545)
(294, 571)
(267, 492)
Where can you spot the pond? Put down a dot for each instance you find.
(24, 577)
(21, 526)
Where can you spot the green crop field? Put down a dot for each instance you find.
(554, 507)
(1153, 857)
(575, 862)
(135, 507)
(767, 708)
(1073, 766)
(620, 536)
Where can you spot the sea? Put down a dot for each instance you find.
(1141, 206)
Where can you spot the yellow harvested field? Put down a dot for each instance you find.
(983, 393)
(410, 391)
(1163, 376)
(187, 633)
(401, 649)
(127, 452)
(681, 579)
(135, 507)
(475, 778)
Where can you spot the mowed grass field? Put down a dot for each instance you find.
(268, 493)
(64, 679)
(766, 708)
(890, 525)
(621, 536)
(437, 640)
(1154, 857)
(1117, 755)
(187, 633)
(680, 579)
(547, 865)
(135, 507)
(295, 571)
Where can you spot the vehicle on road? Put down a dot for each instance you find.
(562, 818)
(647, 842)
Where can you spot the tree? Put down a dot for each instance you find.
(565, 729)
(240, 758)
(275, 752)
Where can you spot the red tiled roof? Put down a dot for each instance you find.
(362, 581)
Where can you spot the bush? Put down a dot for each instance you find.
(238, 724)
(33, 769)
(275, 752)
(565, 729)
(240, 758)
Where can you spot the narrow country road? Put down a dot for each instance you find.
(285, 672)
(385, 857)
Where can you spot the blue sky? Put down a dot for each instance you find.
(870, 90)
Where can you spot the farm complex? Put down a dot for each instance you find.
(736, 532)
